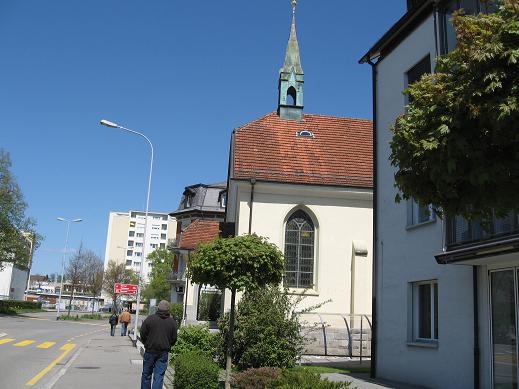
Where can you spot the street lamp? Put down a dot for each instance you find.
(61, 219)
(114, 125)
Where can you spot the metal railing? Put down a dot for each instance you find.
(337, 334)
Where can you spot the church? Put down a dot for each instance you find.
(305, 182)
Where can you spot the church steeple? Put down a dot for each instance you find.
(291, 77)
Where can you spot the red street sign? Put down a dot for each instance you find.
(125, 288)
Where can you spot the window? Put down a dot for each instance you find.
(157, 218)
(153, 246)
(132, 224)
(140, 235)
(299, 251)
(162, 236)
(138, 244)
(129, 262)
(163, 245)
(164, 227)
(138, 254)
(425, 311)
(223, 199)
(471, 7)
(155, 227)
(165, 218)
(129, 253)
(418, 213)
(291, 96)
(416, 72)
(131, 234)
(130, 243)
(155, 236)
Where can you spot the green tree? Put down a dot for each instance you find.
(267, 329)
(18, 238)
(457, 146)
(161, 266)
(117, 274)
(238, 263)
(94, 275)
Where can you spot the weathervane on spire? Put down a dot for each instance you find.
(294, 5)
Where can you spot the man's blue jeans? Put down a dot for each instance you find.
(156, 364)
(124, 327)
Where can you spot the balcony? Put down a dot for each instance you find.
(461, 232)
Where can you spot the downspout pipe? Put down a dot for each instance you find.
(374, 326)
(476, 327)
(252, 184)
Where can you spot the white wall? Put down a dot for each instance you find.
(407, 255)
(5, 280)
(341, 216)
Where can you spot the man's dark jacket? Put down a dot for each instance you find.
(159, 332)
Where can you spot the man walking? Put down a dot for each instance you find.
(158, 334)
(125, 320)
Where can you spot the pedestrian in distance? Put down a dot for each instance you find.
(125, 319)
(113, 323)
(158, 334)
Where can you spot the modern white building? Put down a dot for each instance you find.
(14, 279)
(125, 238)
(446, 291)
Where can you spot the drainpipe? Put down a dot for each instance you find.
(476, 326)
(374, 325)
(252, 183)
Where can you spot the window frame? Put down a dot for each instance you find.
(414, 211)
(415, 313)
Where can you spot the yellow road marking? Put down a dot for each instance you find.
(38, 318)
(6, 340)
(46, 345)
(66, 349)
(24, 343)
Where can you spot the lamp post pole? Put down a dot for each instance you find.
(61, 219)
(114, 125)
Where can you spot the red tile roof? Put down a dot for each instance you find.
(339, 154)
(199, 231)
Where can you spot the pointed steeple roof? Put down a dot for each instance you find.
(292, 57)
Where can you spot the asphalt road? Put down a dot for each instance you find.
(34, 347)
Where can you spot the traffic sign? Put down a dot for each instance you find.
(125, 288)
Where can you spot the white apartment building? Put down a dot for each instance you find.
(126, 238)
(446, 291)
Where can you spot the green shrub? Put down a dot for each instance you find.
(177, 312)
(266, 332)
(196, 338)
(261, 378)
(195, 371)
(305, 379)
(14, 306)
(66, 317)
(92, 316)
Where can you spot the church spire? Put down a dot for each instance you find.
(291, 77)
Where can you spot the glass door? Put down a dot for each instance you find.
(503, 292)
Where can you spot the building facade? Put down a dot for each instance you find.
(304, 181)
(199, 214)
(125, 238)
(446, 290)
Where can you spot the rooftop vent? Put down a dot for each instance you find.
(305, 134)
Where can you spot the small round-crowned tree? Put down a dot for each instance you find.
(457, 146)
(237, 263)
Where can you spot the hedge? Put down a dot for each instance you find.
(11, 306)
(195, 371)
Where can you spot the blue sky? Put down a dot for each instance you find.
(183, 72)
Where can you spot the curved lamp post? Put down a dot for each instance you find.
(114, 125)
(61, 219)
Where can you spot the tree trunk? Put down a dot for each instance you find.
(230, 341)
(93, 303)
(70, 301)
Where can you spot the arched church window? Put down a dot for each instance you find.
(299, 251)
(291, 96)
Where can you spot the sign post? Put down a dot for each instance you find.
(125, 289)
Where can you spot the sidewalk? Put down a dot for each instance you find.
(105, 362)
(362, 381)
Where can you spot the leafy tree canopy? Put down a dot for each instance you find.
(161, 266)
(16, 230)
(117, 274)
(237, 263)
(457, 146)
